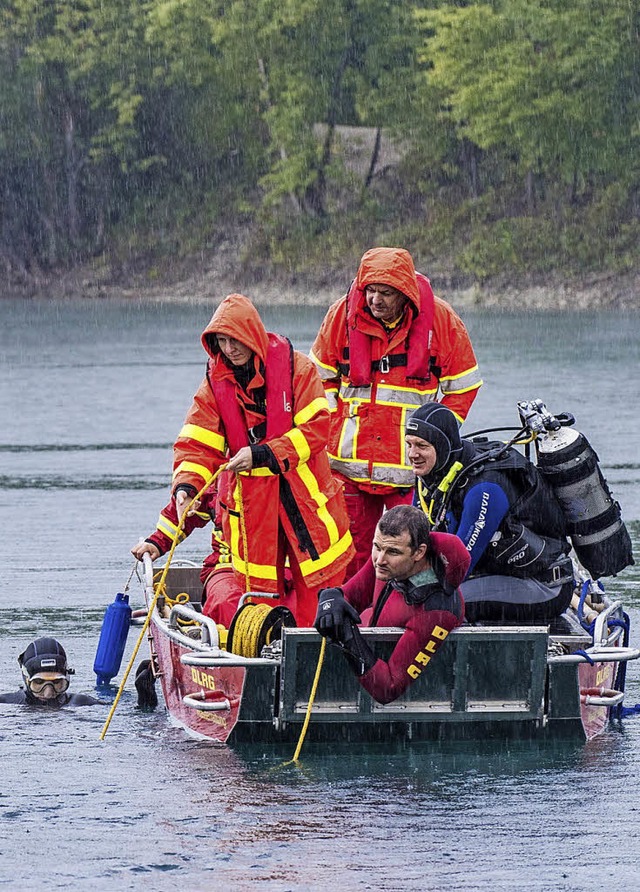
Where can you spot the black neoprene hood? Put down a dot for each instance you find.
(437, 425)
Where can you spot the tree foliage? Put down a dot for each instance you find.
(141, 121)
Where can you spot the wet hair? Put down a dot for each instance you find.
(212, 342)
(406, 519)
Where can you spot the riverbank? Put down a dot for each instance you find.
(209, 278)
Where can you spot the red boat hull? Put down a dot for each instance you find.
(591, 678)
(180, 681)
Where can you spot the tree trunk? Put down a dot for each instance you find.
(530, 192)
(73, 166)
(264, 79)
(470, 153)
(374, 159)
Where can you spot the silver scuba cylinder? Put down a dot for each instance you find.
(595, 527)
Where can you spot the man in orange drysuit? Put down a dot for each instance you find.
(261, 410)
(384, 349)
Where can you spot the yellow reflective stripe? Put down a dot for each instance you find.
(169, 528)
(325, 371)
(258, 472)
(261, 571)
(348, 442)
(311, 484)
(401, 388)
(234, 526)
(473, 370)
(449, 392)
(299, 443)
(256, 571)
(391, 465)
(203, 435)
(464, 382)
(327, 557)
(190, 467)
(315, 406)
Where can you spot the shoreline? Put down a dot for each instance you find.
(603, 291)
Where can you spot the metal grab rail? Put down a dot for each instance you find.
(601, 696)
(598, 655)
(601, 635)
(209, 631)
(268, 595)
(207, 701)
(148, 577)
(224, 658)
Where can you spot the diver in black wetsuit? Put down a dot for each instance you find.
(46, 677)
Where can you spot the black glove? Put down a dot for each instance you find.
(359, 655)
(335, 615)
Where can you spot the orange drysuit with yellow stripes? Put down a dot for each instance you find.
(288, 506)
(376, 376)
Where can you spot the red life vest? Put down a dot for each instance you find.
(418, 339)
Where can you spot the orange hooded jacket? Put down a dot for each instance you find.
(374, 377)
(293, 491)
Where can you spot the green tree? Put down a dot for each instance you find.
(554, 82)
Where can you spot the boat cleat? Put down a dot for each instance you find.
(272, 651)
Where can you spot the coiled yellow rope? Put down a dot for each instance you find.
(247, 627)
(159, 589)
(181, 598)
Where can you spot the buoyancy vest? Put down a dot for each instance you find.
(279, 398)
(357, 364)
(428, 596)
(531, 538)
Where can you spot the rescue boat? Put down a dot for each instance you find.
(566, 679)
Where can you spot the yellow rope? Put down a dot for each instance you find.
(248, 624)
(250, 632)
(158, 589)
(182, 598)
(312, 697)
(245, 542)
(247, 628)
(254, 625)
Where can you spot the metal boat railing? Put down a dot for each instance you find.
(605, 648)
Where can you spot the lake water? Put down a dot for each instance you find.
(92, 395)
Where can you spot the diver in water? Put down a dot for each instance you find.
(46, 677)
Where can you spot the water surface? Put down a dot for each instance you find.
(92, 395)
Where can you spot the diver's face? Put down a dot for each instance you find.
(48, 685)
(421, 454)
(236, 352)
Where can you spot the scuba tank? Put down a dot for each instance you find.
(113, 637)
(568, 462)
